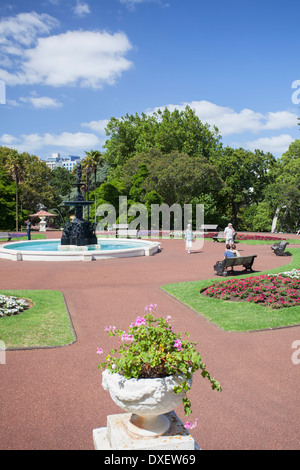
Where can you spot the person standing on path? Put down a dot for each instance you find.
(28, 228)
(189, 238)
(229, 233)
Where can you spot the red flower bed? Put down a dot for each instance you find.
(245, 236)
(270, 291)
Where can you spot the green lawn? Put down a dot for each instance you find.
(34, 236)
(236, 316)
(45, 324)
(291, 241)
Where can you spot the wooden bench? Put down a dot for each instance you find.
(207, 227)
(246, 261)
(122, 230)
(279, 248)
(221, 236)
(5, 235)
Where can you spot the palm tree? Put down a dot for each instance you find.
(16, 168)
(93, 160)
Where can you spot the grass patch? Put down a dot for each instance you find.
(232, 315)
(291, 241)
(22, 238)
(45, 324)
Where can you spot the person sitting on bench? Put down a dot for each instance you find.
(234, 250)
(229, 254)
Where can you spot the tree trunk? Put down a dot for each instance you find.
(17, 207)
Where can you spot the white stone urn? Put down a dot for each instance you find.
(147, 399)
(43, 224)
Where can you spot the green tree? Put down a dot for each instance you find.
(7, 202)
(93, 160)
(245, 175)
(283, 194)
(178, 178)
(137, 180)
(36, 187)
(167, 131)
(15, 165)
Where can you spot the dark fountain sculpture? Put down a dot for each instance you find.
(79, 232)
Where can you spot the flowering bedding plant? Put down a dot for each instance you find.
(152, 349)
(245, 236)
(275, 291)
(293, 274)
(12, 306)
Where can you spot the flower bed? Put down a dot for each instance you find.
(245, 236)
(275, 291)
(12, 306)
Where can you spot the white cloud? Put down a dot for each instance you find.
(230, 122)
(42, 102)
(84, 58)
(25, 27)
(97, 126)
(275, 145)
(81, 9)
(130, 4)
(7, 139)
(33, 143)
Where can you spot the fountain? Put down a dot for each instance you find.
(78, 242)
(80, 232)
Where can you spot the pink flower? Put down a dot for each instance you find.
(100, 351)
(168, 318)
(126, 337)
(188, 425)
(110, 328)
(139, 321)
(150, 308)
(177, 344)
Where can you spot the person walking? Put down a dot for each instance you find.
(189, 238)
(28, 228)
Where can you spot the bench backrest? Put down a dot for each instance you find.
(122, 226)
(208, 227)
(4, 234)
(239, 260)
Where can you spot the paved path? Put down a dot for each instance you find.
(53, 399)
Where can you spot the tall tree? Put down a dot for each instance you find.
(36, 187)
(93, 160)
(167, 131)
(15, 165)
(245, 175)
(283, 194)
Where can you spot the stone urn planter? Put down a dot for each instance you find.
(147, 399)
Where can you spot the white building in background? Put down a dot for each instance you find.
(67, 162)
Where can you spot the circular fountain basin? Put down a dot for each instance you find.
(51, 250)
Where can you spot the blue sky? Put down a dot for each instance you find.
(70, 65)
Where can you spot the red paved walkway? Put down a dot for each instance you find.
(53, 399)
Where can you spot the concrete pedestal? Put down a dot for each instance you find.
(116, 436)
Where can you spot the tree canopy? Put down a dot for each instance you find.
(166, 157)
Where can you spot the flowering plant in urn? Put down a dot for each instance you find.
(151, 349)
